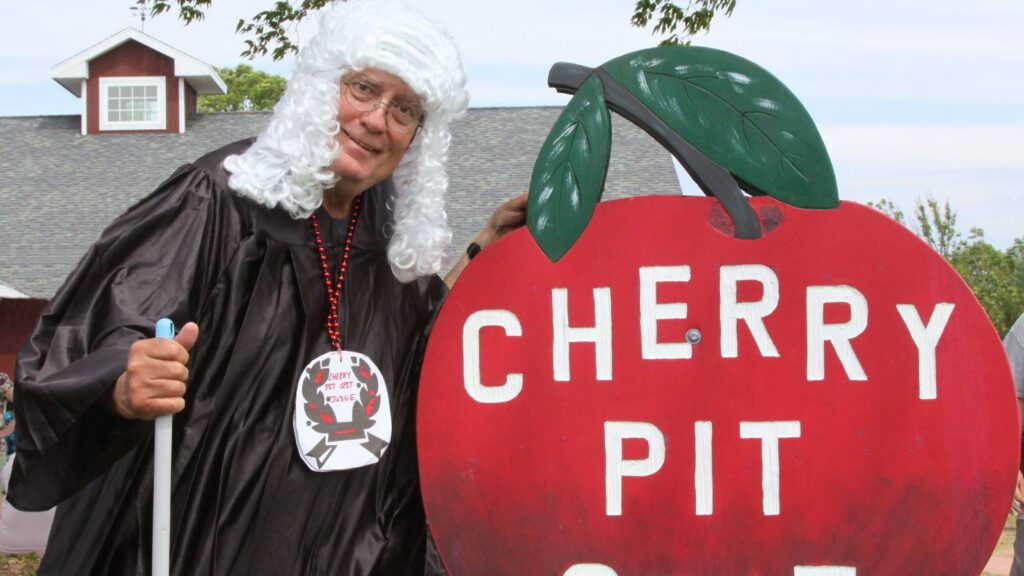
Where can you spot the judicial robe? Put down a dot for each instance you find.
(243, 502)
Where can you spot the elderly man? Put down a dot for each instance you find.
(305, 264)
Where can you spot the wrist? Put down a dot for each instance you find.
(111, 401)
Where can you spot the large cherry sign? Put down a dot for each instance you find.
(829, 399)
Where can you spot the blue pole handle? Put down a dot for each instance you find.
(164, 328)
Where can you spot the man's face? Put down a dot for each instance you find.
(370, 150)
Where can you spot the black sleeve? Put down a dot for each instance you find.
(156, 260)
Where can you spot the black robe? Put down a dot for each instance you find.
(243, 502)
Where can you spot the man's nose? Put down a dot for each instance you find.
(377, 116)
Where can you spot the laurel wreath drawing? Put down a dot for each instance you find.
(321, 413)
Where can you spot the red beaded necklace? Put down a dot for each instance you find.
(334, 290)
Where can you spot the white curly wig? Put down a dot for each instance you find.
(289, 165)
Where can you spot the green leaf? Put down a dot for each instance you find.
(569, 174)
(737, 114)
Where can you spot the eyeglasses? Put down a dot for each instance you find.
(403, 117)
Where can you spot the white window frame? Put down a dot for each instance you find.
(161, 102)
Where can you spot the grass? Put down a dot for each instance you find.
(18, 564)
(1005, 545)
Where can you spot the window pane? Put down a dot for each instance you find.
(133, 103)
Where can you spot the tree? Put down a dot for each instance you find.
(248, 90)
(269, 29)
(695, 18)
(992, 276)
(1016, 255)
(995, 277)
(938, 227)
(890, 209)
(934, 224)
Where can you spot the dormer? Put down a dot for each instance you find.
(131, 83)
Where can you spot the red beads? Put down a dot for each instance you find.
(334, 289)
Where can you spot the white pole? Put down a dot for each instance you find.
(162, 479)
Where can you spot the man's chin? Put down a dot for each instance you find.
(349, 173)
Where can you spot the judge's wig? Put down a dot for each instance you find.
(289, 165)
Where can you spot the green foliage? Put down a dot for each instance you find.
(1016, 255)
(890, 209)
(248, 90)
(668, 16)
(996, 277)
(269, 29)
(937, 225)
(188, 10)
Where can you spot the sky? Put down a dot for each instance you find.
(913, 98)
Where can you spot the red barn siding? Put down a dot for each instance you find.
(191, 100)
(131, 59)
(17, 318)
(172, 105)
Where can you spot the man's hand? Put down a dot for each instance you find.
(508, 217)
(154, 382)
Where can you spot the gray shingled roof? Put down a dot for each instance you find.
(59, 189)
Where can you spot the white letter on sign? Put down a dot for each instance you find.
(615, 467)
(824, 571)
(838, 334)
(752, 313)
(702, 468)
(926, 338)
(471, 356)
(589, 570)
(600, 334)
(769, 433)
(651, 312)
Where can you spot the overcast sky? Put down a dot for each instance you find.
(913, 98)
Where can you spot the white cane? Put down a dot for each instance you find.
(162, 479)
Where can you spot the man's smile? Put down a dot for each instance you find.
(360, 143)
